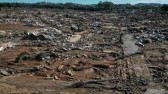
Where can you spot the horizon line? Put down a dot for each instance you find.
(81, 3)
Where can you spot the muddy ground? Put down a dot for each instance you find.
(101, 57)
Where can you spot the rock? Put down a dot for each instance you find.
(45, 37)
(129, 44)
(155, 91)
(165, 58)
(90, 70)
(166, 85)
(84, 55)
(2, 48)
(140, 44)
(145, 41)
(39, 68)
(7, 45)
(43, 56)
(74, 28)
(64, 49)
(60, 67)
(56, 77)
(2, 33)
(38, 37)
(30, 37)
(69, 72)
(57, 31)
(5, 73)
(42, 34)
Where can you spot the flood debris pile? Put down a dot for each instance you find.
(43, 34)
(95, 51)
(147, 36)
(8, 45)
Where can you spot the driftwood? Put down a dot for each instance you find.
(110, 84)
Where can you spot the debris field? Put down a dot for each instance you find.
(52, 51)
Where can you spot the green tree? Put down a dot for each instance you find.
(105, 5)
(164, 8)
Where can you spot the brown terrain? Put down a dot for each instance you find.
(74, 52)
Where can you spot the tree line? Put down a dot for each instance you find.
(101, 6)
(92, 7)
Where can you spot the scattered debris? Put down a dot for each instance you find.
(69, 72)
(110, 52)
(5, 46)
(5, 73)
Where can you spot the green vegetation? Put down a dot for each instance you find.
(101, 6)
(164, 8)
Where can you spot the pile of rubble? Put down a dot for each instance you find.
(42, 34)
(144, 35)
